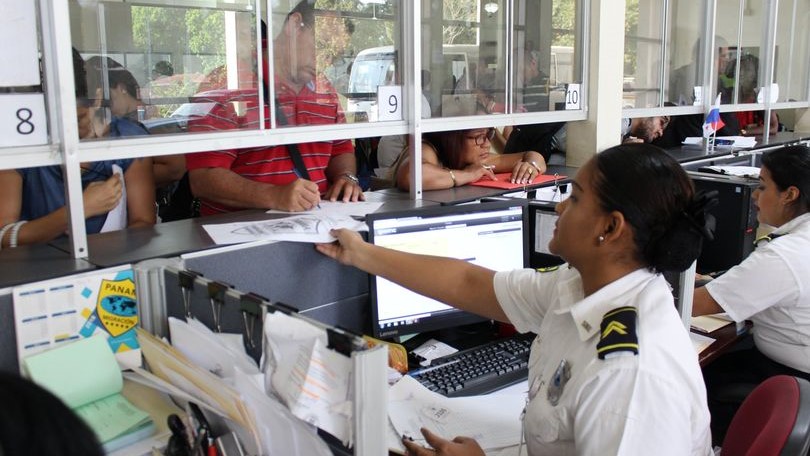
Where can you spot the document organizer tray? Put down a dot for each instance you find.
(225, 309)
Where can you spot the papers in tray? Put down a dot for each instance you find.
(710, 323)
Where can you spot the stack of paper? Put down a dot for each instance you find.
(312, 380)
(710, 323)
(263, 424)
(208, 390)
(85, 375)
(493, 420)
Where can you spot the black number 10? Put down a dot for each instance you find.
(25, 127)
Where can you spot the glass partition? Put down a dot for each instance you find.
(161, 67)
(791, 59)
(643, 53)
(474, 67)
(547, 54)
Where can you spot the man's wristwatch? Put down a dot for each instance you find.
(351, 177)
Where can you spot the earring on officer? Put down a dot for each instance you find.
(601, 239)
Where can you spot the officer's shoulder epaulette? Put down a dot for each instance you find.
(618, 332)
(548, 269)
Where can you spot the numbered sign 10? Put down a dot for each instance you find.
(22, 120)
(573, 96)
(389, 103)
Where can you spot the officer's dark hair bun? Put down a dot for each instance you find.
(657, 198)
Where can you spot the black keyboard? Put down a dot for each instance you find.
(479, 370)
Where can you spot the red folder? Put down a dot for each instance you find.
(503, 181)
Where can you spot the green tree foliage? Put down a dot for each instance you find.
(630, 33)
(199, 32)
(563, 22)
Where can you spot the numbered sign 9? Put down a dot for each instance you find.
(573, 96)
(22, 120)
(389, 103)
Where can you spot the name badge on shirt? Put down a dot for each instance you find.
(558, 382)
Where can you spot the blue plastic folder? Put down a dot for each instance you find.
(85, 375)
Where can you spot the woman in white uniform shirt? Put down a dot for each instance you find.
(607, 317)
(771, 287)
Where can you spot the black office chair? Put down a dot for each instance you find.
(773, 420)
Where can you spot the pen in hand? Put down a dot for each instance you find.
(298, 174)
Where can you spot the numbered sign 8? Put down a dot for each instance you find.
(22, 117)
(573, 97)
(389, 103)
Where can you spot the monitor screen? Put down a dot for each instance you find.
(493, 235)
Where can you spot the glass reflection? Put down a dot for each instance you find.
(792, 40)
(196, 63)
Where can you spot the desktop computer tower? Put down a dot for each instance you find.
(735, 218)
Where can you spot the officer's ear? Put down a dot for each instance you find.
(615, 226)
(791, 195)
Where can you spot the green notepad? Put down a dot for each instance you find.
(85, 375)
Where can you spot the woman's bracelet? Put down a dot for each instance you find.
(3, 232)
(15, 230)
(453, 176)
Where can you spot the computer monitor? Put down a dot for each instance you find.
(493, 235)
(542, 221)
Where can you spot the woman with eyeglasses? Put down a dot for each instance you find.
(455, 158)
(771, 287)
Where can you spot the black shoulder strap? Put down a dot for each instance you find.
(295, 154)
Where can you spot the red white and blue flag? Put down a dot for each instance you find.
(713, 121)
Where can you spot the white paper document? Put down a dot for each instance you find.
(493, 420)
(700, 342)
(333, 208)
(710, 323)
(313, 381)
(117, 217)
(433, 349)
(740, 171)
(298, 228)
(210, 350)
(737, 142)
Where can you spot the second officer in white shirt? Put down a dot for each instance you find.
(771, 288)
(612, 370)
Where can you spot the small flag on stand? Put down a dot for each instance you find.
(712, 123)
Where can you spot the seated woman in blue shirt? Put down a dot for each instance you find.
(33, 210)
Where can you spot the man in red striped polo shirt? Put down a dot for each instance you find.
(265, 177)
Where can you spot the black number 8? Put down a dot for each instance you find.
(25, 127)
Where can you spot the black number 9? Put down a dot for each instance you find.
(393, 102)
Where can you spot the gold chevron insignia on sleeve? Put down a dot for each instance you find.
(618, 332)
(548, 269)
